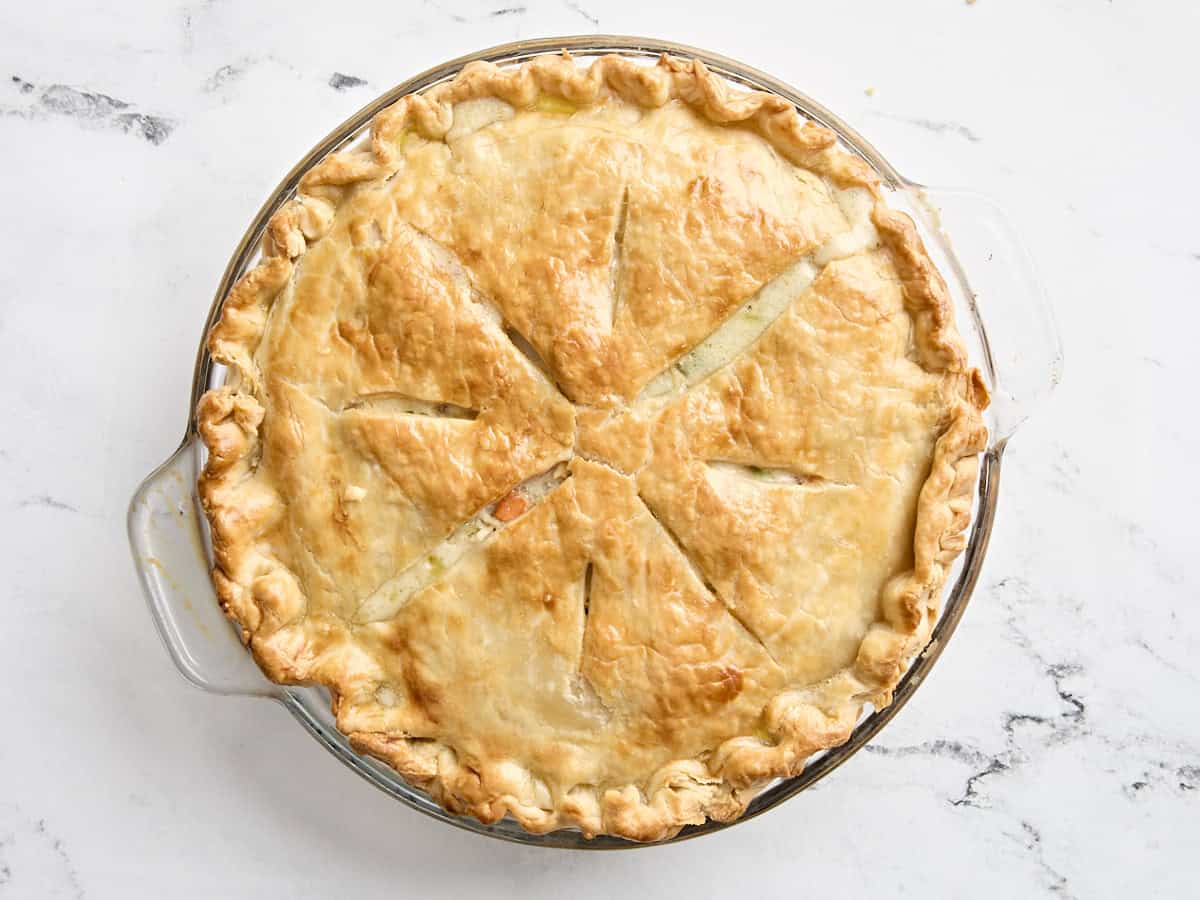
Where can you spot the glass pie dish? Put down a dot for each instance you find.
(1018, 354)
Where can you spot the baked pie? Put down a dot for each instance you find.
(597, 436)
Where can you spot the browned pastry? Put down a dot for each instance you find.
(597, 436)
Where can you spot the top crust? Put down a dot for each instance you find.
(598, 437)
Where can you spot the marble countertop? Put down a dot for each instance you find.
(1054, 750)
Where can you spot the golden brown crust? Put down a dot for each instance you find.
(721, 575)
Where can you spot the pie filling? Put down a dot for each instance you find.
(597, 436)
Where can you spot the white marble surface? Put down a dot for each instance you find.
(1056, 749)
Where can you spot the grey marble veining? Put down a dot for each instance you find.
(935, 126)
(89, 108)
(1053, 751)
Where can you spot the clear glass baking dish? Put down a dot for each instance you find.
(1018, 351)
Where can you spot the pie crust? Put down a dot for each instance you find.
(597, 436)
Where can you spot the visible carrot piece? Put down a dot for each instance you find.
(510, 507)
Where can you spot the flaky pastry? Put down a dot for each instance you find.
(597, 436)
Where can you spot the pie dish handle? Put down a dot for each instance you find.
(168, 544)
(1013, 319)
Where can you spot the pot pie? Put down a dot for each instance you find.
(597, 436)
